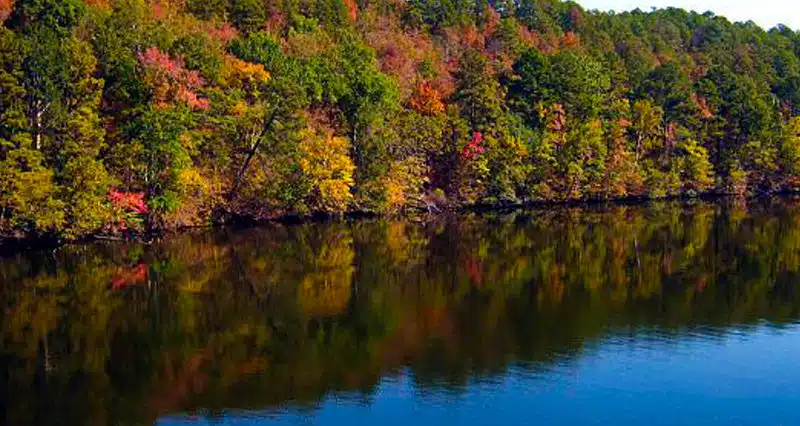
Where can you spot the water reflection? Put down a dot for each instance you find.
(292, 319)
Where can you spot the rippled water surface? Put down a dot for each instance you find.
(669, 313)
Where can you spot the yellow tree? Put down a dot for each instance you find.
(27, 191)
(329, 169)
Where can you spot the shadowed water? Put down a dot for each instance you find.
(669, 313)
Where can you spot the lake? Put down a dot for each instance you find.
(663, 313)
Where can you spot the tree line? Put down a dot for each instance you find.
(129, 115)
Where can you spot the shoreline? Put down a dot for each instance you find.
(13, 245)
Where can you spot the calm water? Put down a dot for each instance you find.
(661, 314)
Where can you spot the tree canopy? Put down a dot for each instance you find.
(209, 110)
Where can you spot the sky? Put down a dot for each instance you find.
(766, 13)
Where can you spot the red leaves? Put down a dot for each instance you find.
(473, 149)
(570, 40)
(702, 105)
(190, 98)
(223, 34)
(472, 37)
(474, 270)
(465, 37)
(158, 10)
(352, 9)
(528, 37)
(102, 4)
(276, 22)
(400, 52)
(556, 118)
(699, 72)
(132, 202)
(129, 278)
(670, 134)
(6, 6)
(170, 80)
(127, 209)
(491, 19)
(154, 58)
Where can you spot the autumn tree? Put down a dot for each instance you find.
(28, 195)
(207, 112)
(328, 169)
(5, 9)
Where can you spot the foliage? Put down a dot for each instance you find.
(28, 194)
(326, 164)
(6, 7)
(127, 209)
(205, 107)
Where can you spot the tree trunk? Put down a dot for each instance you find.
(37, 112)
(638, 147)
(252, 153)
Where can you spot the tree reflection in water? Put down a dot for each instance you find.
(261, 318)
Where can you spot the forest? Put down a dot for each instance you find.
(124, 116)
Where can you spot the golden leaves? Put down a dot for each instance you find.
(427, 100)
(325, 161)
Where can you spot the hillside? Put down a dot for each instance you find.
(138, 114)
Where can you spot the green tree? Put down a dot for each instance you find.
(698, 172)
(790, 151)
(478, 94)
(27, 191)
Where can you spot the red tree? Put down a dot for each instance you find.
(170, 80)
(352, 9)
(473, 149)
(6, 6)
